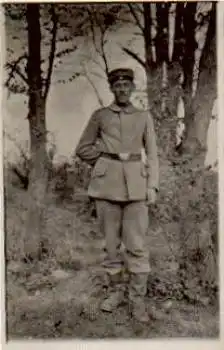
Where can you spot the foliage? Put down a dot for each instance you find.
(194, 210)
(54, 30)
(66, 178)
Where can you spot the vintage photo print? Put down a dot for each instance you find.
(110, 171)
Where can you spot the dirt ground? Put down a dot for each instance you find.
(59, 297)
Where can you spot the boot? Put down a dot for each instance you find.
(137, 292)
(116, 294)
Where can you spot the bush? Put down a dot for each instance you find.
(189, 197)
(67, 178)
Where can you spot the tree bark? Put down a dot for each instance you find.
(199, 109)
(188, 65)
(207, 83)
(37, 127)
(54, 19)
(179, 38)
(151, 69)
(162, 33)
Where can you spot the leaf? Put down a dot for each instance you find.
(65, 52)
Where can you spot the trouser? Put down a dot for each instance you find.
(127, 223)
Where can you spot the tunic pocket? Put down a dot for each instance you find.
(100, 169)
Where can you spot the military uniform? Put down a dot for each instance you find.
(112, 144)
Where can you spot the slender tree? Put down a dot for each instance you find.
(36, 85)
(198, 113)
(179, 38)
(37, 127)
(162, 33)
(189, 59)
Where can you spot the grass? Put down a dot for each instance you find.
(59, 296)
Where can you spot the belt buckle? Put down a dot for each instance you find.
(124, 156)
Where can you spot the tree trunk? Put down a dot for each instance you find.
(179, 33)
(162, 49)
(37, 127)
(196, 235)
(207, 83)
(150, 67)
(162, 33)
(190, 143)
(199, 109)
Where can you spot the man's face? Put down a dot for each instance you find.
(122, 90)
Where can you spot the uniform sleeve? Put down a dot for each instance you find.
(150, 145)
(87, 148)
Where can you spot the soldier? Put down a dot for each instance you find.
(123, 186)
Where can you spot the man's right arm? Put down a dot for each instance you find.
(87, 149)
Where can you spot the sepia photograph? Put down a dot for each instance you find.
(110, 169)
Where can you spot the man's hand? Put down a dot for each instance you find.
(151, 196)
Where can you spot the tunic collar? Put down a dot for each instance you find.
(128, 109)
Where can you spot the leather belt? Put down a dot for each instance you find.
(131, 157)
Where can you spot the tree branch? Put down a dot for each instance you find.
(139, 7)
(18, 71)
(92, 26)
(104, 53)
(137, 20)
(135, 56)
(24, 179)
(102, 43)
(16, 143)
(14, 69)
(93, 86)
(98, 64)
(54, 19)
(98, 75)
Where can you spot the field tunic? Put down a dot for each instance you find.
(115, 130)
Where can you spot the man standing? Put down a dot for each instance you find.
(122, 186)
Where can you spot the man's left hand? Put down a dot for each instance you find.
(151, 196)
